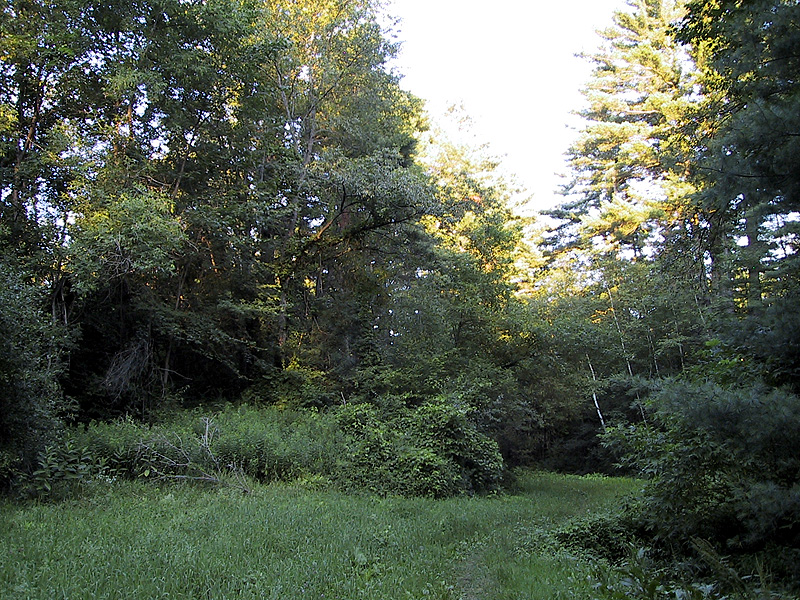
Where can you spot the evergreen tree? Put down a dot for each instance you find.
(631, 183)
(750, 64)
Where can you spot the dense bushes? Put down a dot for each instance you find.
(432, 450)
(722, 464)
(262, 444)
(31, 402)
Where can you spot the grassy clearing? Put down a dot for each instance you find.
(137, 540)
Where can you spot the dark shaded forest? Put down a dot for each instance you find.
(232, 207)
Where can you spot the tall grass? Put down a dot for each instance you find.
(430, 450)
(141, 541)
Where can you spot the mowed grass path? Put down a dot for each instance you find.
(138, 540)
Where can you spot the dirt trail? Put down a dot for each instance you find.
(474, 581)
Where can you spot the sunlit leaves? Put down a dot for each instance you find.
(130, 235)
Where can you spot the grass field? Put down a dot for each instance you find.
(143, 541)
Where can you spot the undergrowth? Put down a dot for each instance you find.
(432, 451)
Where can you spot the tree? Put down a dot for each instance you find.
(343, 118)
(631, 182)
(720, 464)
(750, 62)
(163, 213)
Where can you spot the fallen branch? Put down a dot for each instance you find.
(166, 459)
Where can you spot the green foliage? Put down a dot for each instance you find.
(65, 470)
(708, 576)
(641, 579)
(31, 403)
(129, 236)
(262, 444)
(605, 535)
(229, 200)
(229, 205)
(271, 444)
(432, 450)
(723, 365)
(294, 387)
(115, 442)
(366, 462)
(630, 183)
(445, 427)
(721, 464)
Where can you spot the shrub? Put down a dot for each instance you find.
(608, 535)
(431, 450)
(31, 403)
(364, 462)
(118, 443)
(61, 470)
(265, 444)
(423, 472)
(272, 444)
(639, 578)
(721, 463)
(446, 428)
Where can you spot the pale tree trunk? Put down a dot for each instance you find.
(594, 395)
(624, 350)
(755, 251)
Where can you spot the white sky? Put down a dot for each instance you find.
(512, 65)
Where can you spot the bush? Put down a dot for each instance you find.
(423, 472)
(118, 443)
(606, 535)
(364, 462)
(31, 403)
(432, 450)
(265, 444)
(444, 427)
(271, 444)
(639, 578)
(721, 463)
(63, 470)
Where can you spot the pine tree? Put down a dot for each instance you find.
(631, 181)
(749, 164)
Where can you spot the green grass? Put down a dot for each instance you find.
(138, 540)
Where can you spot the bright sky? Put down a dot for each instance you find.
(512, 65)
